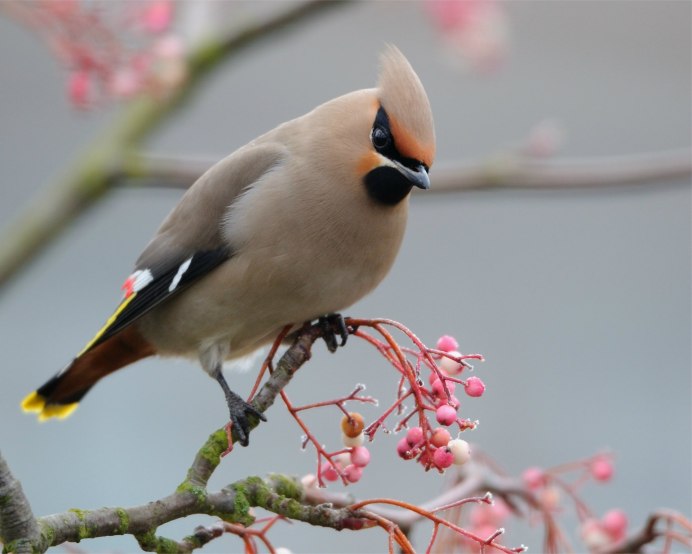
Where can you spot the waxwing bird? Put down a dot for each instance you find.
(298, 224)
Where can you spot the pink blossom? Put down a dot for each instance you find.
(79, 88)
(169, 47)
(476, 30)
(124, 82)
(157, 16)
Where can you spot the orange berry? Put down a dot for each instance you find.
(352, 425)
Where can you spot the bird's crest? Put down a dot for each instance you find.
(403, 97)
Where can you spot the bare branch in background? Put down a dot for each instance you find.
(509, 171)
(520, 172)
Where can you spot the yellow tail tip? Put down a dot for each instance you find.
(33, 402)
(36, 403)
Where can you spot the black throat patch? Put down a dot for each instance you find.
(387, 185)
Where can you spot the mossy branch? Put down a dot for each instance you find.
(279, 494)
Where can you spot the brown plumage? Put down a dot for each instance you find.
(301, 222)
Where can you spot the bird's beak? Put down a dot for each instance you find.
(417, 176)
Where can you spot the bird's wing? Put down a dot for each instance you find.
(189, 244)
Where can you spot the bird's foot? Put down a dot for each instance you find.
(239, 411)
(333, 325)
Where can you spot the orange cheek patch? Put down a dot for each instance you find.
(408, 146)
(368, 162)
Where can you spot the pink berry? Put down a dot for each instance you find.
(440, 437)
(446, 415)
(438, 388)
(614, 523)
(80, 88)
(602, 469)
(404, 449)
(426, 457)
(447, 343)
(158, 15)
(443, 457)
(432, 378)
(328, 472)
(533, 478)
(360, 456)
(451, 367)
(414, 436)
(494, 515)
(460, 450)
(474, 387)
(353, 473)
(593, 535)
(550, 498)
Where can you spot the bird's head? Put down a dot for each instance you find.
(402, 136)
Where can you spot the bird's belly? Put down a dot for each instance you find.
(246, 308)
(250, 298)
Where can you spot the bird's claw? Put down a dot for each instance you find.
(333, 325)
(239, 411)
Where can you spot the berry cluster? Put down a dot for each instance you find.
(350, 463)
(435, 447)
(111, 50)
(549, 484)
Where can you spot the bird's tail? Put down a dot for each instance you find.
(60, 395)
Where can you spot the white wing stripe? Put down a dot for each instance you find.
(181, 270)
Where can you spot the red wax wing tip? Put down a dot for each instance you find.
(128, 286)
(137, 281)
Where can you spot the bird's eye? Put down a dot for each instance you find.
(380, 138)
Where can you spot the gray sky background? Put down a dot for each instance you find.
(579, 300)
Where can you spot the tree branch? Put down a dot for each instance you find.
(18, 527)
(22, 533)
(508, 171)
(649, 533)
(92, 175)
(514, 171)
